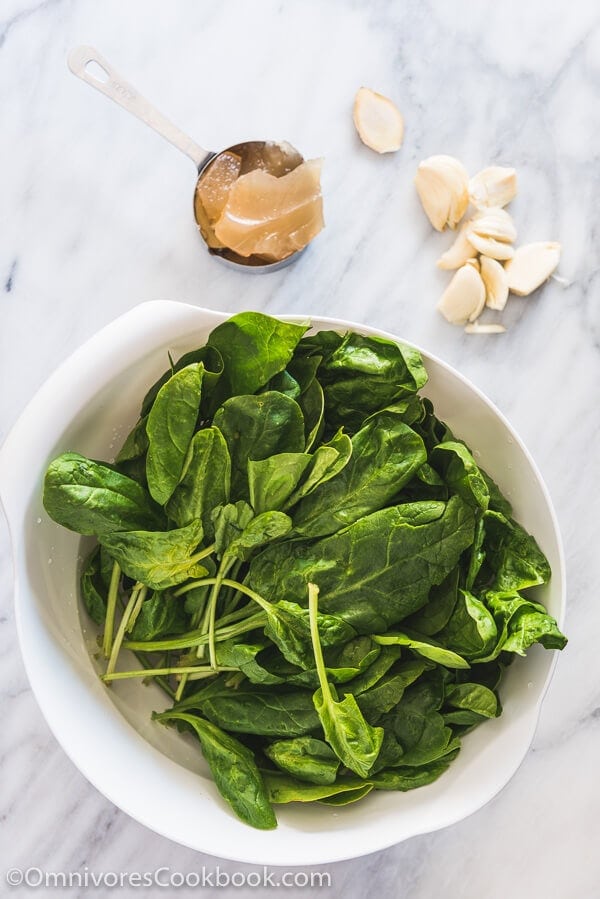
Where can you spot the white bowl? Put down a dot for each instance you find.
(154, 774)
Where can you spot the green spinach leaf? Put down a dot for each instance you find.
(204, 483)
(256, 427)
(353, 740)
(254, 347)
(375, 572)
(306, 758)
(385, 455)
(93, 499)
(170, 427)
(233, 767)
(158, 559)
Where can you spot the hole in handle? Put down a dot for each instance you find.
(97, 71)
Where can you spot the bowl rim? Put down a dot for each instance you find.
(126, 327)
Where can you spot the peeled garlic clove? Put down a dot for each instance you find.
(493, 222)
(495, 249)
(442, 184)
(460, 251)
(531, 265)
(496, 283)
(494, 186)
(378, 121)
(491, 328)
(464, 298)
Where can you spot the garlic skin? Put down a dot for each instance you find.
(496, 283)
(442, 183)
(378, 121)
(464, 298)
(456, 255)
(493, 186)
(531, 265)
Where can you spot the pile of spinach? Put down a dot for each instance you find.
(313, 567)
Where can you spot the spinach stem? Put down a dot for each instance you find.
(198, 637)
(212, 607)
(227, 582)
(138, 594)
(203, 553)
(313, 601)
(162, 683)
(198, 670)
(111, 606)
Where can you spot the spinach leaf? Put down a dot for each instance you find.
(136, 443)
(364, 374)
(498, 502)
(254, 347)
(312, 404)
(342, 663)
(428, 649)
(404, 779)
(461, 473)
(477, 557)
(385, 695)
(353, 740)
(272, 481)
(160, 615)
(229, 522)
(323, 344)
(260, 710)
(259, 531)
(283, 382)
(375, 671)
(375, 572)
(306, 758)
(170, 427)
(158, 559)
(93, 499)
(440, 605)
(213, 368)
(204, 483)
(522, 623)
(514, 556)
(233, 767)
(244, 656)
(385, 455)
(282, 788)
(348, 796)
(256, 427)
(471, 629)
(419, 727)
(93, 591)
(325, 463)
(475, 698)
(288, 626)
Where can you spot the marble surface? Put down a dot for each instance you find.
(96, 217)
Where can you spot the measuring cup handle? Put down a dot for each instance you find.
(123, 93)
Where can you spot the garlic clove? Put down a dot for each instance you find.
(460, 251)
(378, 121)
(494, 249)
(496, 283)
(491, 328)
(493, 186)
(493, 222)
(531, 265)
(442, 185)
(464, 298)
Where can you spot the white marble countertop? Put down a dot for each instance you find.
(96, 217)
